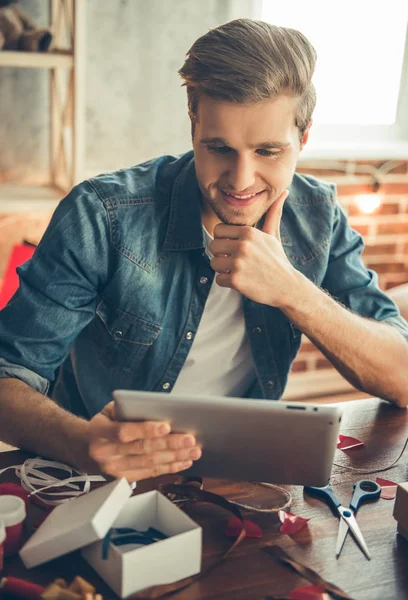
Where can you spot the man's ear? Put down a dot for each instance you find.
(305, 135)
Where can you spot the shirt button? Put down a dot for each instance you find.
(189, 335)
(257, 330)
(271, 383)
(203, 279)
(166, 386)
(118, 333)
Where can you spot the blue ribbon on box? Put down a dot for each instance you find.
(126, 535)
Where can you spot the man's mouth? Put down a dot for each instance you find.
(241, 200)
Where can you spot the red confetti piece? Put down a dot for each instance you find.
(388, 488)
(309, 592)
(291, 523)
(234, 528)
(347, 443)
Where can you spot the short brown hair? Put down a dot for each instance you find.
(247, 61)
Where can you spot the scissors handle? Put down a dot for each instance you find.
(365, 490)
(326, 493)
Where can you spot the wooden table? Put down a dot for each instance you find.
(248, 573)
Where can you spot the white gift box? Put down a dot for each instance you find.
(401, 509)
(85, 521)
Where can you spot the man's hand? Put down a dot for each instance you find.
(138, 450)
(253, 262)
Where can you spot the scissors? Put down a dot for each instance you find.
(364, 490)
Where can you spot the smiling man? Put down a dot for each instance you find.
(241, 172)
(195, 274)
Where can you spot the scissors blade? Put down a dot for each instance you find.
(349, 518)
(341, 536)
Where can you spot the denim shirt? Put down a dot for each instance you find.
(120, 279)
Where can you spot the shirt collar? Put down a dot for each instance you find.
(184, 229)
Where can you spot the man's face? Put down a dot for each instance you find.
(245, 157)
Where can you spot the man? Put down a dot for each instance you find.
(121, 291)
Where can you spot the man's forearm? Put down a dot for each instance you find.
(371, 355)
(35, 423)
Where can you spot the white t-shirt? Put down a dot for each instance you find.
(220, 361)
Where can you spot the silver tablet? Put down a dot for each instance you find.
(247, 440)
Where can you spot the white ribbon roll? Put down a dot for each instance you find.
(35, 481)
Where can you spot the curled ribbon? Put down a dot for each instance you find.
(35, 481)
(191, 489)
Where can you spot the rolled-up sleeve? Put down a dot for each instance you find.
(38, 383)
(58, 290)
(351, 283)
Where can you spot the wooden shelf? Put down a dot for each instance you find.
(46, 60)
(66, 108)
(24, 198)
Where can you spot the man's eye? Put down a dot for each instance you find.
(227, 149)
(218, 149)
(268, 153)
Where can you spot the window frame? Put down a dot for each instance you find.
(349, 141)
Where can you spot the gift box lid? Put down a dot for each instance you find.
(76, 523)
(400, 512)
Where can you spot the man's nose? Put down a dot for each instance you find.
(241, 176)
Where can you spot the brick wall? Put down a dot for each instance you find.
(385, 233)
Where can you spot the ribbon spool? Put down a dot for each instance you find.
(12, 514)
(2, 538)
(13, 489)
(35, 481)
(18, 588)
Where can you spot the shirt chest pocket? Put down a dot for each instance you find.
(124, 338)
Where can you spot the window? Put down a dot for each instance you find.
(361, 75)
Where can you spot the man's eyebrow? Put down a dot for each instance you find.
(221, 141)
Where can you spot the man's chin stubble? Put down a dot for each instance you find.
(238, 218)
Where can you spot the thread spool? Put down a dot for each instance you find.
(2, 538)
(12, 513)
(13, 489)
(19, 588)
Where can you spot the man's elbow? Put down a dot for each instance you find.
(399, 396)
(402, 378)
(398, 402)
(397, 375)
(391, 386)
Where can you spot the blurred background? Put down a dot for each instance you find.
(106, 94)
